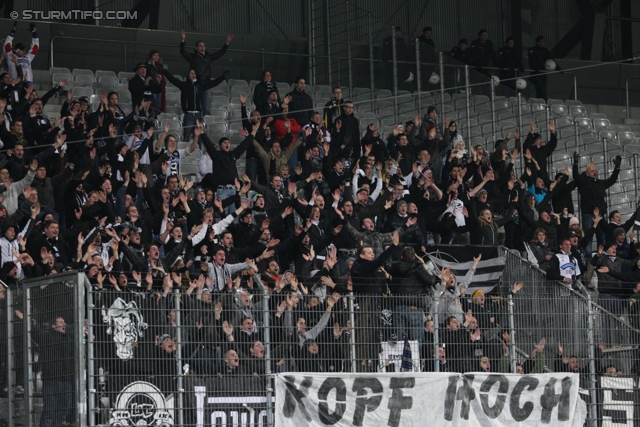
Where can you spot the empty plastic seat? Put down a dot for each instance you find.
(561, 122)
(237, 82)
(632, 149)
(610, 135)
(167, 116)
(560, 109)
(626, 137)
(79, 92)
(626, 175)
(485, 118)
(219, 101)
(174, 125)
(54, 70)
(172, 98)
(535, 107)
(81, 72)
(594, 116)
(84, 80)
(253, 83)
(216, 129)
(108, 81)
(125, 75)
(326, 88)
(460, 104)
(576, 110)
(55, 78)
(617, 188)
(323, 95)
(584, 123)
(560, 161)
(601, 124)
(478, 140)
(551, 102)
(105, 73)
(630, 190)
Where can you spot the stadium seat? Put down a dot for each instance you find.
(174, 125)
(55, 78)
(105, 73)
(610, 135)
(626, 137)
(81, 72)
(237, 82)
(253, 83)
(54, 70)
(601, 124)
(108, 81)
(79, 92)
(560, 110)
(125, 76)
(84, 80)
(172, 99)
(584, 123)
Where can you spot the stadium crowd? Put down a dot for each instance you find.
(320, 211)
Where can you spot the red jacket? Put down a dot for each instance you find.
(279, 131)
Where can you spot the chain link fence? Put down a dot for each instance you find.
(78, 354)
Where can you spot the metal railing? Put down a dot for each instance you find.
(194, 356)
(626, 94)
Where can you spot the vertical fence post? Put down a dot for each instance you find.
(418, 75)
(80, 351)
(372, 82)
(310, 44)
(11, 413)
(593, 410)
(493, 110)
(29, 416)
(267, 347)
(179, 364)
(521, 127)
(635, 176)
(467, 91)
(442, 116)
(327, 42)
(349, 58)
(436, 335)
(91, 388)
(512, 327)
(548, 117)
(395, 72)
(352, 338)
(606, 167)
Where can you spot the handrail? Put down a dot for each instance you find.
(261, 52)
(626, 92)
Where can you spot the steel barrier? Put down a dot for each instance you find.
(185, 356)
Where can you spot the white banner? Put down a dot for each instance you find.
(433, 399)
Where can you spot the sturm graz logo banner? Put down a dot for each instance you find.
(126, 324)
(142, 404)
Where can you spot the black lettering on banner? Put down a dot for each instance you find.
(295, 395)
(495, 410)
(398, 401)
(550, 399)
(329, 384)
(466, 393)
(618, 400)
(518, 413)
(370, 404)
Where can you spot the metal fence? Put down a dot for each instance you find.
(87, 355)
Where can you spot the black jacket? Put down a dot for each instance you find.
(410, 278)
(592, 190)
(541, 153)
(300, 107)
(224, 167)
(139, 88)
(201, 64)
(190, 92)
